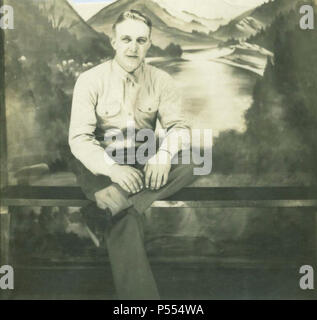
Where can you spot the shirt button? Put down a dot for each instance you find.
(130, 114)
(149, 109)
(107, 112)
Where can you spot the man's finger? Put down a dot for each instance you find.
(153, 180)
(139, 172)
(132, 183)
(139, 180)
(125, 186)
(148, 175)
(159, 181)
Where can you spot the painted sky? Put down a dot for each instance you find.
(87, 8)
(213, 9)
(205, 8)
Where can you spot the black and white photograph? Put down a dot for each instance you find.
(158, 150)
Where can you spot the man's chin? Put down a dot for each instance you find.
(132, 66)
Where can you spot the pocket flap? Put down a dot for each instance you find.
(112, 108)
(148, 105)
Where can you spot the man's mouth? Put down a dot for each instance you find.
(132, 57)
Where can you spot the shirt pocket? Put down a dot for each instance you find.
(110, 109)
(148, 106)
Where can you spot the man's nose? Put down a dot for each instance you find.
(134, 46)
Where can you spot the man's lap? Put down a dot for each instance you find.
(90, 183)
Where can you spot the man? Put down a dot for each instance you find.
(109, 98)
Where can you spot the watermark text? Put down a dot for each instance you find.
(6, 277)
(6, 17)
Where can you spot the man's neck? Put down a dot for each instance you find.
(133, 72)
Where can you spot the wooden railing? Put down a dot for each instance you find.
(231, 197)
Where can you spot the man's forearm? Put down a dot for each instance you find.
(92, 156)
(177, 139)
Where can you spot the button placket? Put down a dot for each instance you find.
(133, 90)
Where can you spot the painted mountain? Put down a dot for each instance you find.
(187, 20)
(207, 23)
(167, 28)
(49, 46)
(252, 21)
(62, 15)
(208, 9)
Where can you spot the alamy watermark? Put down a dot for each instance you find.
(6, 277)
(183, 146)
(307, 22)
(6, 17)
(306, 281)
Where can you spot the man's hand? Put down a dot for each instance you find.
(157, 170)
(130, 179)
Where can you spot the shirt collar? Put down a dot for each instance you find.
(133, 76)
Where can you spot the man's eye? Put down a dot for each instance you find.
(141, 41)
(126, 40)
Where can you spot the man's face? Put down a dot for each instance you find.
(131, 42)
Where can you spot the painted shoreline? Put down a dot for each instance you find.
(245, 56)
(259, 72)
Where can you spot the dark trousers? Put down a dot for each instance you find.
(124, 237)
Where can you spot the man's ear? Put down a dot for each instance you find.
(149, 44)
(113, 41)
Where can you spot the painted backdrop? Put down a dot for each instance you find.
(247, 71)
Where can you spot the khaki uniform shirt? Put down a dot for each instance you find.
(107, 98)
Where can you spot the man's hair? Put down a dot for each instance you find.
(134, 15)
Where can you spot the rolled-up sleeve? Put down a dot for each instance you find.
(83, 143)
(172, 118)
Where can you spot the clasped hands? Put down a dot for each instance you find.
(154, 175)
